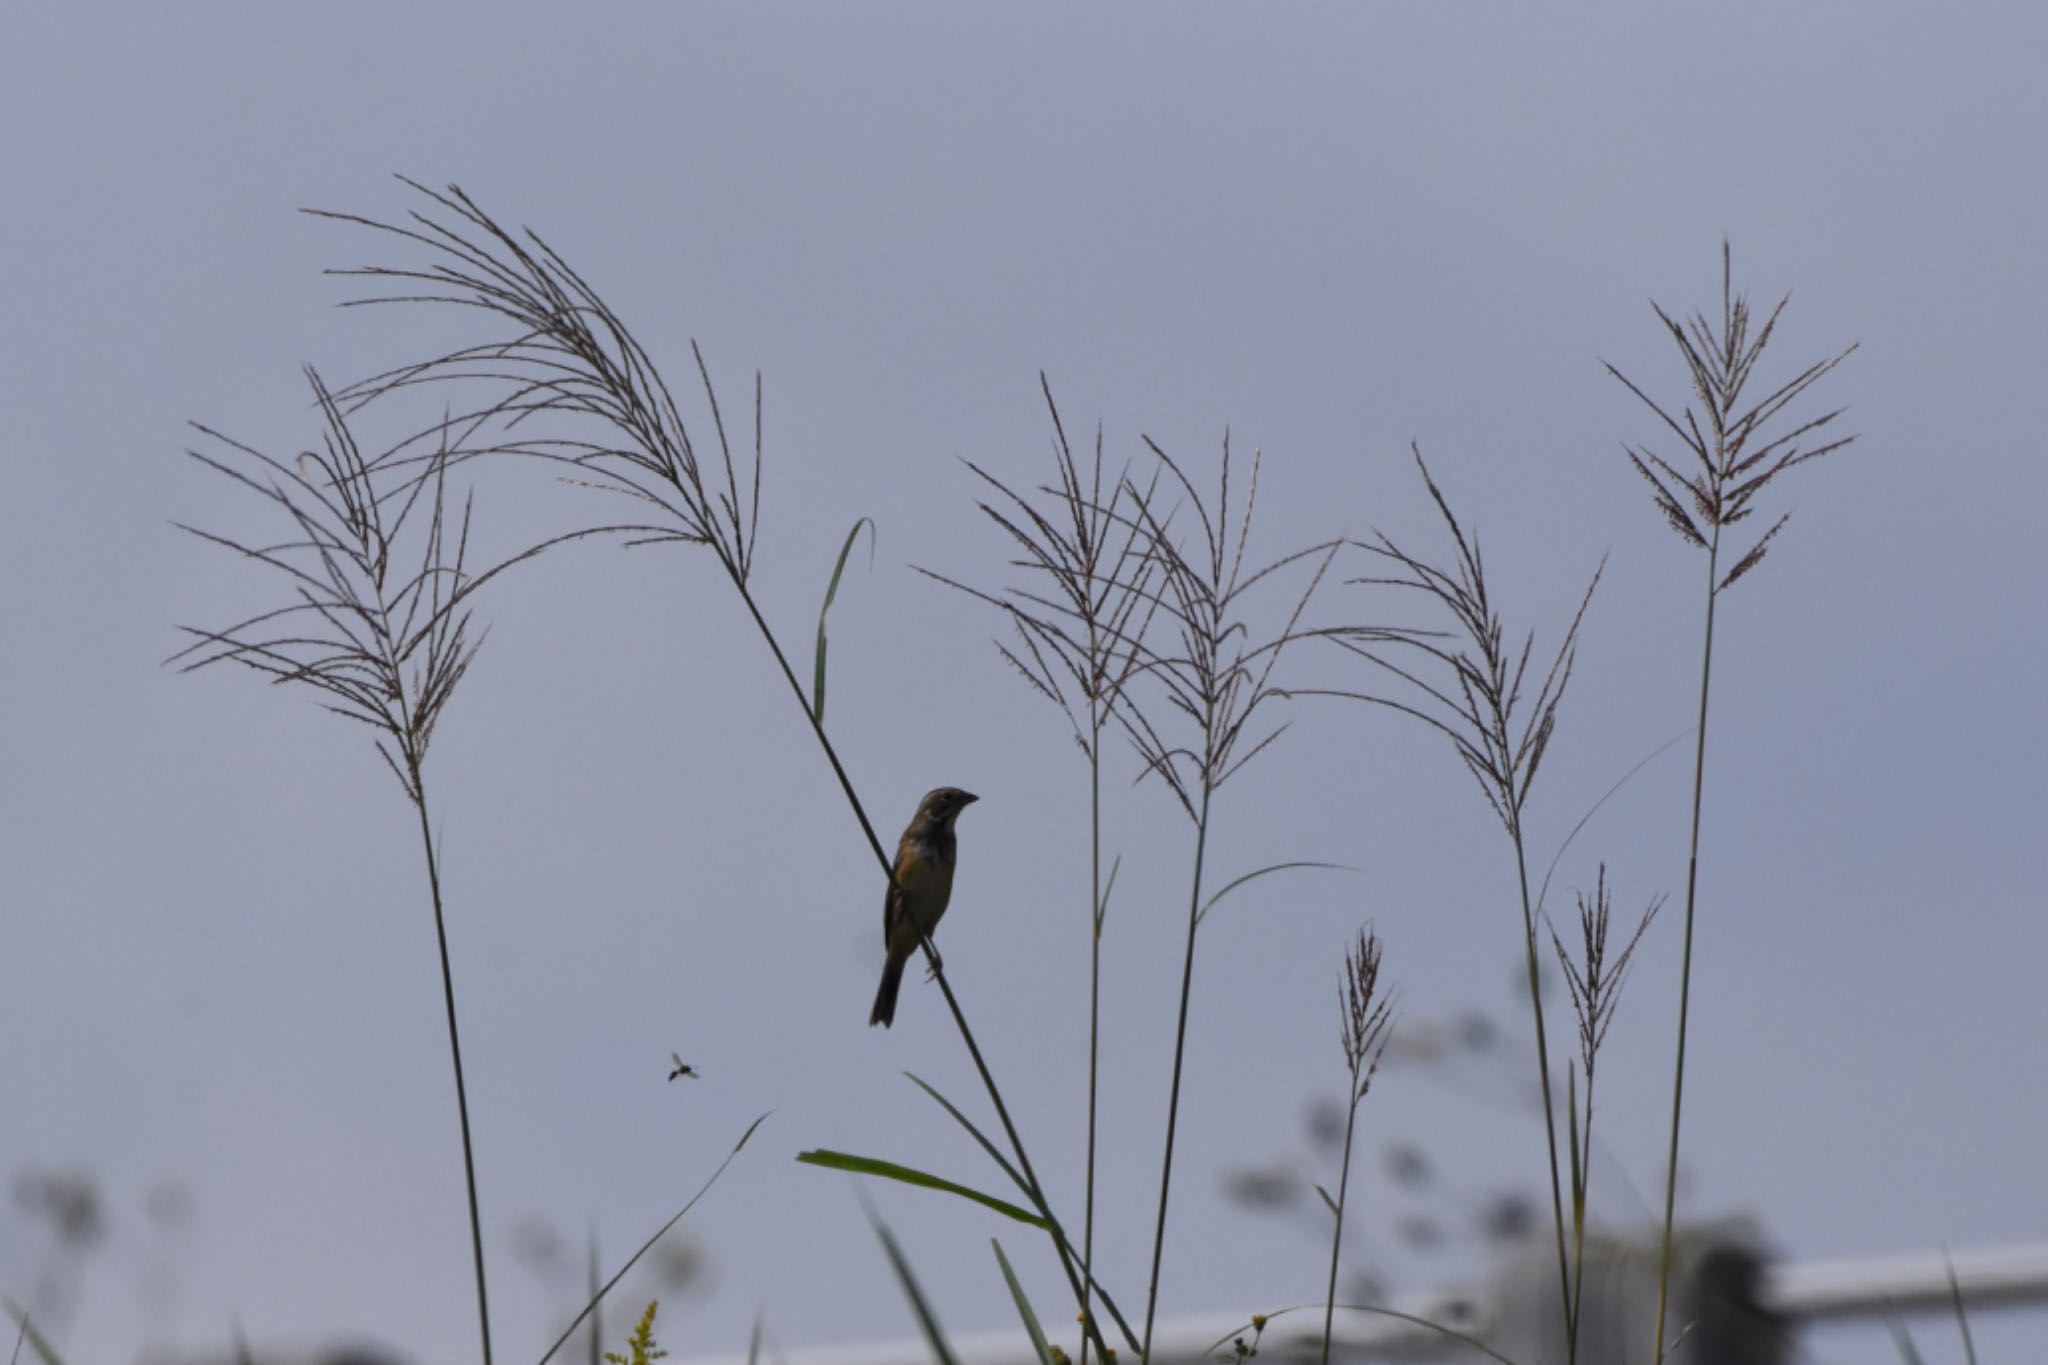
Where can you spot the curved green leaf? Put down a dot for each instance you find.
(1016, 1177)
(648, 1245)
(1066, 1247)
(1210, 904)
(1102, 909)
(1620, 782)
(1448, 1333)
(889, 1170)
(27, 1332)
(832, 591)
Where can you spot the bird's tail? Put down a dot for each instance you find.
(884, 1012)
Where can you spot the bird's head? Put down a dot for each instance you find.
(942, 805)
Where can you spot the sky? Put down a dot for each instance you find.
(1328, 230)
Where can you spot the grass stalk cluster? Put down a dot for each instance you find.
(1134, 605)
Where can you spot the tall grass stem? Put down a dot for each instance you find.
(1692, 877)
(476, 1231)
(1337, 1233)
(1180, 1038)
(1095, 914)
(1564, 1271)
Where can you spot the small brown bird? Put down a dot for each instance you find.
(922, 886)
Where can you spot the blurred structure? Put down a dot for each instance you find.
(1719, 1305)
(1734, 1306)
(331, 1355)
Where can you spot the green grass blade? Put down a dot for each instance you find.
(26, 1331)
(927, 1320)
(1641, 763)
(832, 591)
(648, 1245)
(1448, 1333)
(1037, 1333)
(1571, 1109)
(1102, 909)
(1908, 1351)
(592, 1269)
(1016, 1178)
(1955, 1294)
(889, 1170)
(1210, 904)
(1108, 1303)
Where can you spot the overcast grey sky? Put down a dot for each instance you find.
(1332, 229)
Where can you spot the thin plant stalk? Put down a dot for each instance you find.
(1180, 1039)
(1080, 623)
(1080, 617)
(1095, 914)
(1217, 680)
(1571, 1319)
(1582, 1178)
(1582, 1182)
(1692, 879)
(1337, 1232)
(476, 1231)
(594, 1286)
(1733, 459)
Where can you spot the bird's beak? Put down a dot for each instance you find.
(968, 799)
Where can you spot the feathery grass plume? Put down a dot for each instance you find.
(1499, 735)
(380, 620)
(1366, 1017)
(1079, 618)
(1736, 448)
(1081, 613)
(568, 356)
(1471, 685)
(569, 384)
(1736, 451)
(1594, 981)
(1214, 671)
(387, 639)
